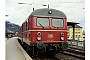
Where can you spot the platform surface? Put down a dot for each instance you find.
(13, 52)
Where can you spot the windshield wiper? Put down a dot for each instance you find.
(41, 25)
(56, 27)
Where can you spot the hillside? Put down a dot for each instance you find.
(11, 27)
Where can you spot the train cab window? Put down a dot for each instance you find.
(44, 22)
(57, 23)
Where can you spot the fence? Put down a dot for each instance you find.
(77, 43)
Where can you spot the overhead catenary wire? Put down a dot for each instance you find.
(31, 5)
(50, 5)
(59, 6)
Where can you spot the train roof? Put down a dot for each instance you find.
(48, 12)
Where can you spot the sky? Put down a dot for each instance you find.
(17, 13)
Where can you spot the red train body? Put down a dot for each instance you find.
(44, 29)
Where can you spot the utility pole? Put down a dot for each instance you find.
(33, 9)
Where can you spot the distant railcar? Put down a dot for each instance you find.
(44, 30)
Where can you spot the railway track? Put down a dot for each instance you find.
(46, 57)
(79, 53)
(73, 52)
(76, 48)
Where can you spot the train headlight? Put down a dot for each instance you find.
(62, 34)
(62, 38)
(39, 33)
(50, 12)
(39, 38)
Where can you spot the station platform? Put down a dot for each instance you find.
(14, 51)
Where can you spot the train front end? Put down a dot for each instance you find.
(49, 30)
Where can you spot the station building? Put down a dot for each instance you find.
(78, 34)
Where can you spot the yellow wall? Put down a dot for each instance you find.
(78, 32)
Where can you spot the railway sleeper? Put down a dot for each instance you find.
(76, 51)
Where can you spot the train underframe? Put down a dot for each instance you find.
(38, 48)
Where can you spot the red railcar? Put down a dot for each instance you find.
(44, 30)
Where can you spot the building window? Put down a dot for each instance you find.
(78, 32)
(78, 29)
(75, 28)
(76, 36)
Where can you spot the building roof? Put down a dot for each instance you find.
(45, 12)
(71, 23)
(76, 26)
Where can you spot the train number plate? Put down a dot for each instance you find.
(50, 35)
